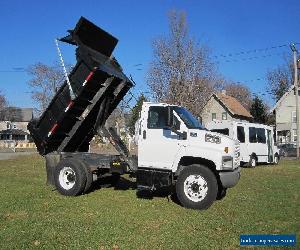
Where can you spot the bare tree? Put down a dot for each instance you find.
(7, 113)
(45, 81)
(3, 105)
(181, 71)
(116, 119)
(241, 92)
(3, 101)
(280, 79)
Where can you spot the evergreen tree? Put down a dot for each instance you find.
(258, 110)
(135, 111)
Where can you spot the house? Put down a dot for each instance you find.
(223, 107)
(13, 123)
(285, 113)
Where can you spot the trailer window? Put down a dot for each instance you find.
(252, 135)
(224, 131)
(241, 134)
(157, 117)
(261, 135)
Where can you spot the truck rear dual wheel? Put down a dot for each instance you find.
(196, 187)
(72, 177)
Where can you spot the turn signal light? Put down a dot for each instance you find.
(226, 150)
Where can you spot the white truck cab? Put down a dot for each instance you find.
(256, 140)
(173, 147)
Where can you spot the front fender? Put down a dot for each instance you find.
(208, 153)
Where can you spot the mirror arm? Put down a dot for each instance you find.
(182, 135)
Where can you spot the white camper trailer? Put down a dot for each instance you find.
(256, 140)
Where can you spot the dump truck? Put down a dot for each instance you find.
(174, 150)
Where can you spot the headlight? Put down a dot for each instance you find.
(212, 138)
(227, 162)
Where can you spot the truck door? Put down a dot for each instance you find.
(240, 132)
(270, 145)
(258, 145)
(157, 145)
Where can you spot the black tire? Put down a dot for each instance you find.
(276, 159)
(70, 177)
(252, 162)
(115, 178)
(89, 179)
(208, 176)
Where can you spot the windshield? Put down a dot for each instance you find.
(189, 120)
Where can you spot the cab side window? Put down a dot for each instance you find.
(261, 135)
(252, 135)
(257, 135)
(157, 117)
(241, 134)
(176, 122)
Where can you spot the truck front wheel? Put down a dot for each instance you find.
(70, 177)
(196, 187)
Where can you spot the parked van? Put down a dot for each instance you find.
(256, 140)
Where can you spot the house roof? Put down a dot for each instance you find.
(233, 105)
(17, 114)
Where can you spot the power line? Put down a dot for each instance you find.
(18, 68)
(250, 58)
(252, 80)
(12, 71)
(246, 52)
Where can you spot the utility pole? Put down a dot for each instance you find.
(293, 48)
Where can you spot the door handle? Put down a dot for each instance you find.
(144, 134)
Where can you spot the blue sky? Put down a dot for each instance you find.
(28, 30)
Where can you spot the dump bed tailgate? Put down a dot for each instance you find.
(68, 124)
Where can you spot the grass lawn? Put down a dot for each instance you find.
(33, 215)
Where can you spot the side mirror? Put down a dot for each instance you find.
(183, 135)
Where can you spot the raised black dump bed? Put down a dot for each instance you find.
(79, 110)
(98, 84)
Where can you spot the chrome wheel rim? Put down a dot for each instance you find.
(67, 178)
(195, 188)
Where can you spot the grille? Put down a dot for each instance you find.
(236, 160)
